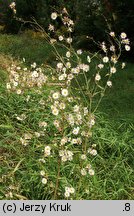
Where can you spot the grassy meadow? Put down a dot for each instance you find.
(113, 133)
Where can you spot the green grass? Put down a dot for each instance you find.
(113, 134)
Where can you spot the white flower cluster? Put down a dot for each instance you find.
(23, 78)
(25, 139)
(47, 151)
(69, 191)
(13, 7)
(87, 170)
(66, 155)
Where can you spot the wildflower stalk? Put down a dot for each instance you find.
(57, 179)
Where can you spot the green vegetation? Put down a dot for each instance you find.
(113, 133)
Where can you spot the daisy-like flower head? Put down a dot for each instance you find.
(67, 194)
(68, 65)
(109, 83)
(100, 66)
(112, 34)
(68, 54)
(60, 65)
(47, 148)
(69, 40)
(54, 16)
(55, 95)
(71, 190)
(105, 59)
(83, 157)
(91, 172)
(42, 173)
(127, 48)
(51, 27)
(76, 131)
(55, 111)
(97, 77)
(79, 52)
(83, 172)
(44, 181)
(61, 38)
(123, 35)
(112, 48)
(64, 92)
(113, 70)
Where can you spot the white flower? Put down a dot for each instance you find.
(47, 151)
(21, 117)
(74, 141)
(113, 70)
(76, 108)
(19, 91)
(79, 52)
(125, 41)
(69, 40)
(61, 38)
(51, 28)
(92, 152)
(112, 48)
(97, 77)
(70, 76)
(92, 122)
(123, 35)
(55, 111)
(56, 123)
(68, 65)
(52, 40)
(64, 92)
(105, 59)
(60, 65)
(62, 106)
(114, 59)
(47, 148)
(112, 34)
(84, 67)
(54, 16)
(75, 70)
(64, 158)
(109, 83)
(15, 83)
(68, 54)
(42, 172)
(71, 190)
(63, 141)
(33, 65)
(76, 131)
(83, 157)
(91, 172)
(61, 77)
(8, 86)
(123, 65)
(67, 194)
(42, 124)
(35, 74)
(37, 134)
(12, 5)
(103, 46)
(55, 95)
(127, 48)
(100, 66)
(44, 181)
(83, 172)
